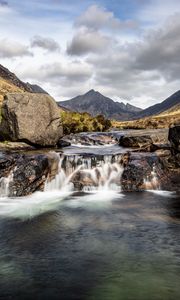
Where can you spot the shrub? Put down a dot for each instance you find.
(74, 122)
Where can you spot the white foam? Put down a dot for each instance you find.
(162, 193)
(31, 206)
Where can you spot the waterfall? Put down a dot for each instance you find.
(4, 184)
(76, 172)
(151, 182)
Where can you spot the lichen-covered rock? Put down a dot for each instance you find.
(32, 118)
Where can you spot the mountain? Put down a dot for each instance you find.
(159, 108)
(36, 88)
(95, 103)
(10, 83)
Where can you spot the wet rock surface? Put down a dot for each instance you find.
(158, 169)
(144, 171)
(7, 162)
(63, 143)
(91, 139)
(174, 138)
(27, 173)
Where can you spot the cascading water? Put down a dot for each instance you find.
(4, 184)
(87, 173)
(98, 174)
(151, 182)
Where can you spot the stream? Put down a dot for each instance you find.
(90, 243)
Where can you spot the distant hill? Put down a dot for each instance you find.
(95, 103)
(36, 88)
(10, 83)
(159, 108)
(165, 119)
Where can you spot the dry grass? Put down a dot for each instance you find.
(163, 120)
(6, 87)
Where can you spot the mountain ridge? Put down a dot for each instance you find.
(95, 103)
(161, 107)
(10, 83)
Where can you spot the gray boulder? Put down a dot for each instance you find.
(32, 118)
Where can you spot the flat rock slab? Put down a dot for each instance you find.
(15, 146)
(157, 135)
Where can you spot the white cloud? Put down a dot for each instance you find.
(10, 48)
(96, 17)
(48, 44)
(106, 53)
(88, 41)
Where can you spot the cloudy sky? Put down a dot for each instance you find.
(126, 49)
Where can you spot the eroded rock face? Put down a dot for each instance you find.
(33, 118)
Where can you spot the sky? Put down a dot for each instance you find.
(128, 50)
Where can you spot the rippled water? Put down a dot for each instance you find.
(103, 245)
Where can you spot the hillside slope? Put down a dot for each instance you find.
(95, 103)
(161, 107)
(163, 120)
(10, 83)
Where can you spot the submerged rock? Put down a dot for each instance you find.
(32, 118)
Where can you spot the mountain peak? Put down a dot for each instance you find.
(95, 103)
(91, 92)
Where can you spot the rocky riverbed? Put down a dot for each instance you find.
(131, 160)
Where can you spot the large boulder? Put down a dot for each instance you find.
(32, 118)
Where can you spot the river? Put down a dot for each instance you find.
(96, 244)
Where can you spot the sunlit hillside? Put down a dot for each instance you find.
(163, 120)
(7, 87)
